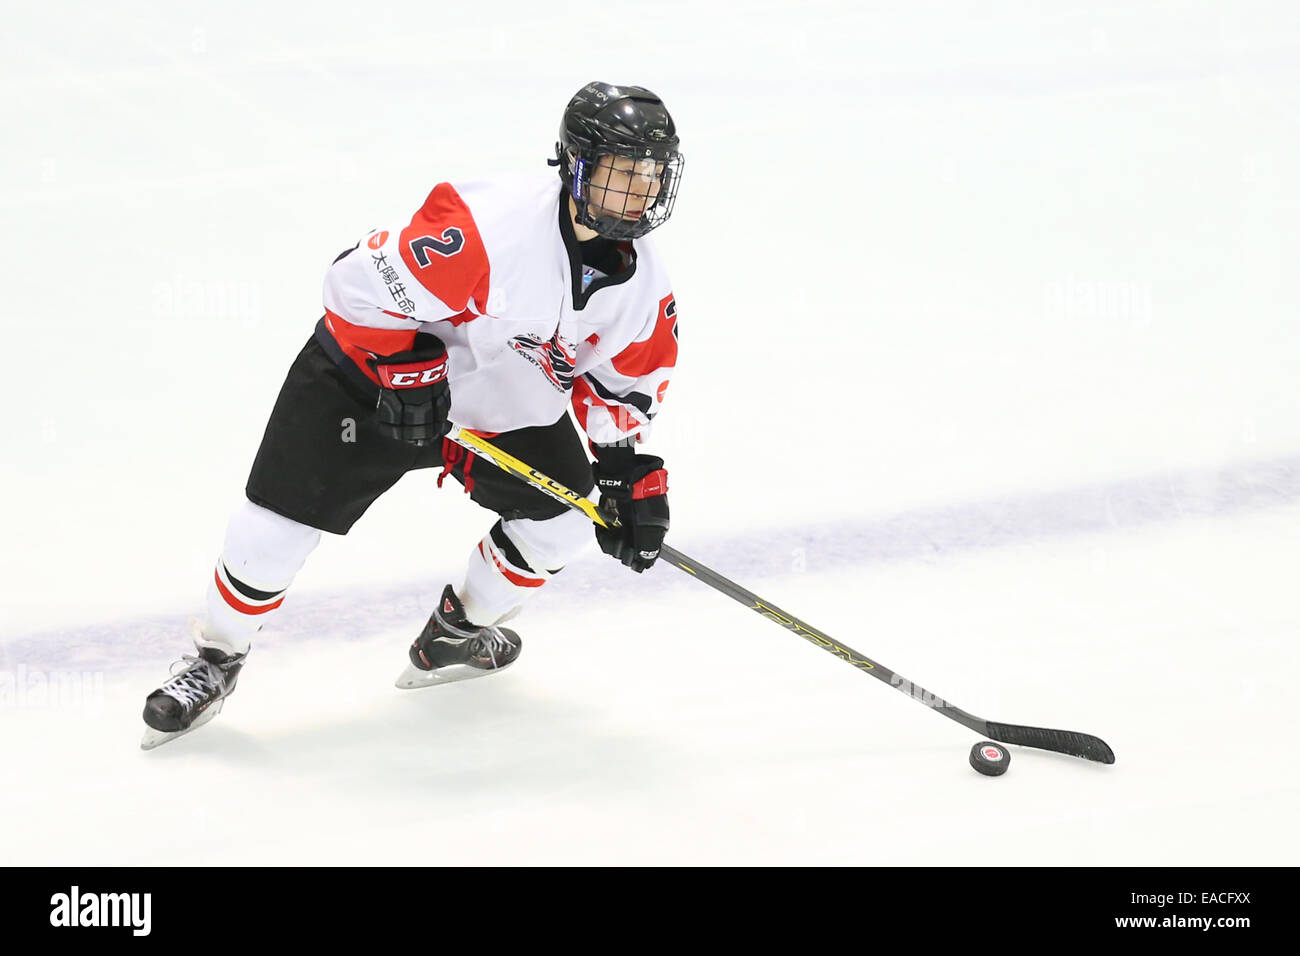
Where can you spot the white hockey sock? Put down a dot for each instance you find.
(263, 552)
(516, 558)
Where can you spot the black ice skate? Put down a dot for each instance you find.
(192, 697)
(450, 648)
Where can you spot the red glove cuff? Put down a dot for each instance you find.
(651, 486)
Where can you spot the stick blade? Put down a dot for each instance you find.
(1061, 741)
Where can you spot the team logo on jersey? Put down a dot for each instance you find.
(377, 240)
(555, 358)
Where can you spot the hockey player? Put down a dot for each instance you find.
(499, 305)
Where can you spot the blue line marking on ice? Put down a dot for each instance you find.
(913, 535)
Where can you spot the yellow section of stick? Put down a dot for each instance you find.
(481, 446)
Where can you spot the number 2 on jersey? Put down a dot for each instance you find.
(448, 245)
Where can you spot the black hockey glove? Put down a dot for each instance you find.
(414, 397)
(635, 488)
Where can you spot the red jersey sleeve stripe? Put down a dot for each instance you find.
(656, 352)
(585, 397)
(580, 392)
(444, 251)
(360, 342)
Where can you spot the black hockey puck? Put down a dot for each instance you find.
(989, 758)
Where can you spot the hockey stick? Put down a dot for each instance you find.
(1061, 741)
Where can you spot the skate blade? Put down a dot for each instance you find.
(156, 738)
(413, 678)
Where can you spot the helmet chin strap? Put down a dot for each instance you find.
(607, 227)
(584, 216)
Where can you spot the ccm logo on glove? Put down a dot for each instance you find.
(655, 483)
(635, 488)
(415, 398)
(413, 375)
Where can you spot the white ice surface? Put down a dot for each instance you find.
(989, 365)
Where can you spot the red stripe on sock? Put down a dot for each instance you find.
(239, 605)
(514, 578)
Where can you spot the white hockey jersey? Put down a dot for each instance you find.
(493, 268)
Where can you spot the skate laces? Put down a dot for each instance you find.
(485, 637)
(195, 682)
(482, 643)
(493, 643)
(455, 630)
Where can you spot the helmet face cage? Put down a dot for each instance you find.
(623, 194)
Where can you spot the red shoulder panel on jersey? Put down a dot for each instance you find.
(444, 251)
(658, 351)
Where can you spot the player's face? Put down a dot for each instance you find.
(624, 187)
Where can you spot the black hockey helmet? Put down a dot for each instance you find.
(626, 122)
